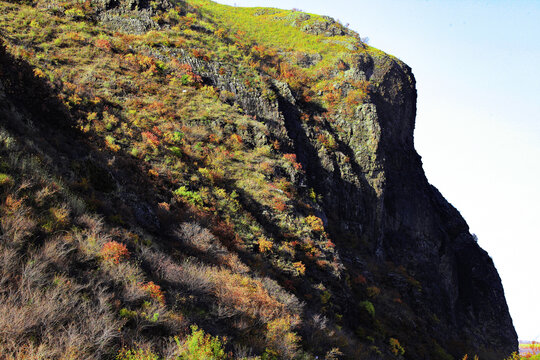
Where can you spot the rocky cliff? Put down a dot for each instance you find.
(258, 165)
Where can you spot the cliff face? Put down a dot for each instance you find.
(283, 171)
(386, 198)
(417, 228)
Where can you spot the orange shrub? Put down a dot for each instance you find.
(292, 159)
(154, 291)
(246, 295)
(115, 252)
(235, 138)
(103, 44)
(327, 141)
(200, 54)
(342, 65)
(315, 223)
(185, 73)
(264, 244)
(300, 267)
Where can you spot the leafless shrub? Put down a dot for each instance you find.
(34, 273)
(221, 311)
(190, 274)
(243, 352)
(243, 324)
(28, 311)
(317, 329)
(25, 184)
(37, 271)
(66, 325)
(9, 267)
(333, 354)
(44, 194)
(235, 264)
(288, 299)
(91, 240)
(195, 277)
(17, 226)
(161, 265)
(195, 236)
(25, 352)
(202, 240)
(129, 276)
(319, 322)
(93, 223)
(171, 351)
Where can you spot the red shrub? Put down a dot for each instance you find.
(360, 279)
(150, 138)
(280, 205)
(292, 159)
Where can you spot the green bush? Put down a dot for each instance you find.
(190, 196)
(5, 179)
(368, 307)
(201, 346)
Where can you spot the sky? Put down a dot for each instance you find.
(477, 67)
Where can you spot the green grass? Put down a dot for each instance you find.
(274, 29)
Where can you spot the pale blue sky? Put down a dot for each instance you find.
(477, 67)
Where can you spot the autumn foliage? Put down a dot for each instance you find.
(114, 252)
(154, 291)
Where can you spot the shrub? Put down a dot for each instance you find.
(150, 138)
(325, 297)
(139, 354)
(201, 346)
(281, 337)
(280, 205)
(291, 158)
(327, 141)
(368, 307)
(103, 44)
(127, 314)
(154, 291)
(315, 223)
(373, 291)
(396, 347)
(114, 252)
(264, 245)
(360, 279)
(190, 196)
(74, 14)
(300, 267)
(5, 179)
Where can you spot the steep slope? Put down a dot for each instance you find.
(251, 171)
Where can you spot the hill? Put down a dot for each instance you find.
(187, 180)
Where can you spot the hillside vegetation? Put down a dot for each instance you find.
(158, 202)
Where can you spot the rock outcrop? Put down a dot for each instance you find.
(383, 195)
